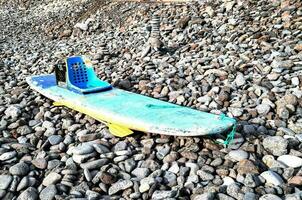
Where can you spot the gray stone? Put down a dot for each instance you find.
(249, 196)
(83, 149)
(5, 181)
(48, 193)
(100, 148)
(23, 183)
(170, 179)
(13, 111)
(19, 169)
(272, 178)
(119, 186)
(29, 194)
(263, 109)
(2, 193)
(238, 155)
(8, 155)
(205, 176)
(51, 178)
(269, 197)
(205, 196)
(55, 139)
(120, 146)
(276, 145)
(222, 196)
(233, 190)
(94, 164)
(92, 195)
(163, 194)
(140, 172)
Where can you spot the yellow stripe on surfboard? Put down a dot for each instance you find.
(115, 129)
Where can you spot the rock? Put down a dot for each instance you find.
(94, 164)
(55, 139)
(272, 178)
(240, 80)
(140, 172)
(40, 163)
(296, 180)
(238, 155)
(233, 190)
(13, 111)
(205, 175)
(29, 194)
(119, 186)
(276, 145)
(228, 180)
(269, 197)
(210, 11)
(249, 196)
(107, 178)
(5, 181)
(170, 179)
(263, 109)
(8, 155)
(83, 149)
(82, 26)
(205, 196)
(19, 169)
(183, 22)
(51, 178)
(246, 166)
(286, 64)
(162, 194)
(48, 193)
(298, 47)
(290, 161)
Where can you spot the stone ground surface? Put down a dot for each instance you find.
(241, 58)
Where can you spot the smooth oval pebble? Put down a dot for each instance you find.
(272, 178)
(238, 155)
(290, 160)
(8, 155)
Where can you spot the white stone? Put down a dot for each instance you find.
(269, 197)
(240, 80)
(174, 168)
(51, 178)
(8, 155)
(299, 137)
(295, 81)
(263, 109)
(238, 155)
(228, 180)
(272, 178)
(82, 26)
(290, 160)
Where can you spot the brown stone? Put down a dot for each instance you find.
(247, 167)
(211, 145)
(107, 178)
(189, 155)
(65, 33)
(183, 22)
(298, 47)
(40, 163)
(142, 85)
(296, 180)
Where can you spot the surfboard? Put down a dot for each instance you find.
(123, 110)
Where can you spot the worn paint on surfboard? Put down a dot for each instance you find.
(134, 111)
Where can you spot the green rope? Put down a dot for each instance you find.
(231, 135)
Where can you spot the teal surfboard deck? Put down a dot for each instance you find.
(137, 112)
